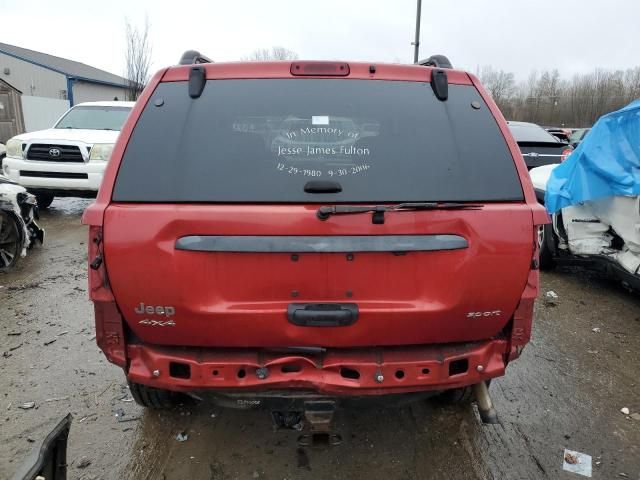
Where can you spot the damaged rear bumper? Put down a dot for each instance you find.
(348, 372)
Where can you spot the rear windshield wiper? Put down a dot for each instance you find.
(378, 211)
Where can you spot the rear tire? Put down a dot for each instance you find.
(547, 237)
(11, 238)
(459, 396)
(44, 199)
(150, 397)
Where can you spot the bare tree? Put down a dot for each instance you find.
(138, 58)
(500, 84)
(548, 99)
(276, 53)
(632, 84)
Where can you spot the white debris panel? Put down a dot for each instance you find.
(609, 226)
(9, 201)
(19, 206)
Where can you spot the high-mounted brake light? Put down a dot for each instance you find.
(324, 69)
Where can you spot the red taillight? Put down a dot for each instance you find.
(565, 153)
(323, 69)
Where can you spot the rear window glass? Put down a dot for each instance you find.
(264, 140)
(531, 133)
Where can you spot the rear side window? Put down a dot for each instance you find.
(263, 140)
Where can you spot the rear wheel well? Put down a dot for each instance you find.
(44, 198)
(13, 239)
(548, 247)
(151, 397)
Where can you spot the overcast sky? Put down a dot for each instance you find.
(514, 35)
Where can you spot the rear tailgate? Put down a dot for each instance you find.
(241, 299)
(232, 167)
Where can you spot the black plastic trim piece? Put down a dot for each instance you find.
(322, 314)
(70, 175)
(64, 192)
(322, 186)
(440, 84)
(49, 459)
(321, 244)
(197, 81)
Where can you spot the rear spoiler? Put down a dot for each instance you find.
(191, 57)
(438, 61)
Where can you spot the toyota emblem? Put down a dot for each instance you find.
(54, 152)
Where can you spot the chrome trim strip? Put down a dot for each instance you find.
(321, 244)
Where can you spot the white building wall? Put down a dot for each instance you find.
(41, 113)
(93, 92)
(31, 79)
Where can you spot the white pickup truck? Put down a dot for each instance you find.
(69, 159)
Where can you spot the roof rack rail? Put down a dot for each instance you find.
(193, 56)
(438, 61)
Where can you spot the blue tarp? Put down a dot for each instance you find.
(606, 163)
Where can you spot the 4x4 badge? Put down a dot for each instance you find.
(157, 323)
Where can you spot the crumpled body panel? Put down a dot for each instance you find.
(589, 228)
(22, 205)
(605, 164)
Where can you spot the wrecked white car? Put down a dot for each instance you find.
(594, 200)
(18, 228)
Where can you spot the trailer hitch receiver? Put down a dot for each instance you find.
(319, 417)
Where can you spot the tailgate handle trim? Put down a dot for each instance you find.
(321, 244)
(322, 314)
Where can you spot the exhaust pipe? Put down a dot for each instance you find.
(485, 405)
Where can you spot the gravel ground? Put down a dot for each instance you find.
(566, 391)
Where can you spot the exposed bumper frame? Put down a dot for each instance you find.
(423, 368)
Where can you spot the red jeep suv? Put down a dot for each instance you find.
(304, 233)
